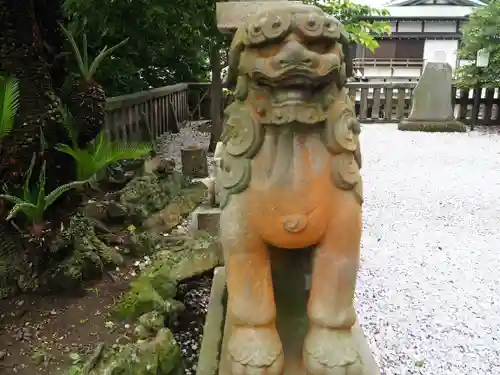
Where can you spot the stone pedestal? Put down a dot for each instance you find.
(232, 14)
(431, 102)
(291, 322)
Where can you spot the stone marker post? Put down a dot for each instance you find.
(431, 108)
(291, 197)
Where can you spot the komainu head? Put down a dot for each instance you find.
(290, 55)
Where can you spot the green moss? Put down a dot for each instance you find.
(159, 356)
(437, 127)
(156, 287)
(87, 255)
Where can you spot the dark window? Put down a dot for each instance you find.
(410, 49)
(400, 49)
(385, 50)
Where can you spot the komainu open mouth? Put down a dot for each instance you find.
(292, 88)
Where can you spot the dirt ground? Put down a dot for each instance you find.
(42, 335)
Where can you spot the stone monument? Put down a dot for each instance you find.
(291, 193)
(431, 108)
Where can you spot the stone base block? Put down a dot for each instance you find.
(212, 361)
(432, 126)
(233, 14)
(206, 218)
(208, 362)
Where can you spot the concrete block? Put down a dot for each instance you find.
(206, 218)
(208, 363)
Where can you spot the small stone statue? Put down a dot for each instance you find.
(290, 179)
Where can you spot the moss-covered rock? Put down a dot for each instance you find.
(150, 193)
(436, 127)
(180, 206)
(160, 356)
(149, 324)
(155, 289)
(83, 254)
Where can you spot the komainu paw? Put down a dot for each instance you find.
(331, 352)
(255, 351)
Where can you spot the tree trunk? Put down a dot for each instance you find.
(22, 55)
(215, 97)
(47, 14)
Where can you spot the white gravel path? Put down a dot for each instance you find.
(428, 294)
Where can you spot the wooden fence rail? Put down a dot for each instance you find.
(149, 114)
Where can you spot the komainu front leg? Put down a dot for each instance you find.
(254, 346)
(330, 348)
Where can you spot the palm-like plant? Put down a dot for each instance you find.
(86, 97)
(9, 103)
(33, 202)
(92, 160)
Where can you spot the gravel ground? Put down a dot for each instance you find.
(429, 287)
(170, 145)
(195, 294)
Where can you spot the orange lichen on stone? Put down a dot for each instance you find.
(290, 179)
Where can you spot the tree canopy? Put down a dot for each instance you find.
(481, 32)
(168, 41)
(171, 42)
(353, 16)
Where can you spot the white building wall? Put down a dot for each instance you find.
(448, 47)
(410, 27)
(440, 27)
(386, 72)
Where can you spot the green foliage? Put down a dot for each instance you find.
(351, 15)
(9, 103)
(481, 32)
(87, 69)
(33, 202)
(102, 152)
(168, 41)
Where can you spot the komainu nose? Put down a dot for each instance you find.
(294, 54)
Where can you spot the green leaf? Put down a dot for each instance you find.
(9, 103)
(11, 198)
(76, 51)
(60, 190)
(27, 179)
(40, 201)
(104, 53)
(27, 208)
(69, 124)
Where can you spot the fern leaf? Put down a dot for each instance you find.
(105, 52)
(9, 103)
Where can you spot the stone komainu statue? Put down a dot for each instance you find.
(290, 178)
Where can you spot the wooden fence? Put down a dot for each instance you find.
(148, 114)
